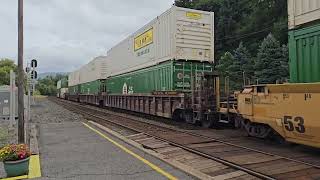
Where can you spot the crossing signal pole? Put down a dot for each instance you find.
(34, 76)
(21, 138)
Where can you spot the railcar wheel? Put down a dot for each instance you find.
(209, 121)
(189, 118)
(101, 103)
(177, 115)
(257, 130)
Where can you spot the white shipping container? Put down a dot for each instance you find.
(73, 78)
(302, 12)
(59, 84)
(63, 91)
(178, 33)
(94, 70)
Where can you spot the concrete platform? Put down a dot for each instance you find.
(70, 150)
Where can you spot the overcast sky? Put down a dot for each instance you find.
(65, 34)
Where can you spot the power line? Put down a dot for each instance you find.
(249, 34)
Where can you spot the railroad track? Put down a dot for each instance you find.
(211, 156)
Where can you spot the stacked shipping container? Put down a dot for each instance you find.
(178, 33)
(62, 88)
(304, 38)
(88, 79)
(178, 36)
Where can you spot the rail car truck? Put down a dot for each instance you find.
(290, 110)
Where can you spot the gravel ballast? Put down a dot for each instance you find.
(46, 111)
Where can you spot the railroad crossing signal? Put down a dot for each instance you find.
(34, 63)
(27, 69)
(34, 74)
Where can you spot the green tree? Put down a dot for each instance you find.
(235, 76)
(48, 85)
(5, 66)
(271, 65)
(243, 20)
(229, 68)
(236, 65)
(185, 3)
(285, 63)
(224, 63)
(242, 55)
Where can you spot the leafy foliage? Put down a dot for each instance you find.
(243, 20)
(225, 62)
(48, 85)
(271, 64)
(5, 66)
(245, 49)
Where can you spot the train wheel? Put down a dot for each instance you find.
(257, 130)
(209, 121)
(178, 115)
(101, 103)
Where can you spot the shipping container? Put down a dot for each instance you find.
(74, 90)
(92, 87)
(59, 84)
(303, 12)
(61, 92)
(178, 33)
(63, 83)
(74, 78)
(94, 70)
(304, 54)
(167, 76)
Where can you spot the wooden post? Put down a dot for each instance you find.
(21, 137)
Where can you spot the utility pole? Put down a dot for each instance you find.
(21, 138)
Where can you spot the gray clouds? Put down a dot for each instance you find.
(65, 34)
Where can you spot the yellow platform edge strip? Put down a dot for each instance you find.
(34, 169)
(153, 166)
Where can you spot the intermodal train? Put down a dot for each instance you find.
(62, 88)
(167, 69)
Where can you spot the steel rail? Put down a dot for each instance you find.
(203, 136)
(225, 162)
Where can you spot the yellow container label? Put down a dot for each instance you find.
(193, 15)
(143, 39)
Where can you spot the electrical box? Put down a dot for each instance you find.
(5, 102)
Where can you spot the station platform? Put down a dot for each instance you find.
(78, 150)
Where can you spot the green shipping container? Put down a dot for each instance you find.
(92, 87)
(64, 83)
(304, 54)
(73, 90)
(167, 76)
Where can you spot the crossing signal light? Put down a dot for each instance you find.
(34, 75)
(27, 69)
(34, 63)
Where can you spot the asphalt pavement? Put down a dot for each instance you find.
(70, 150)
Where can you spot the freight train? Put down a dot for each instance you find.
(167, 69)
(62, 88)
